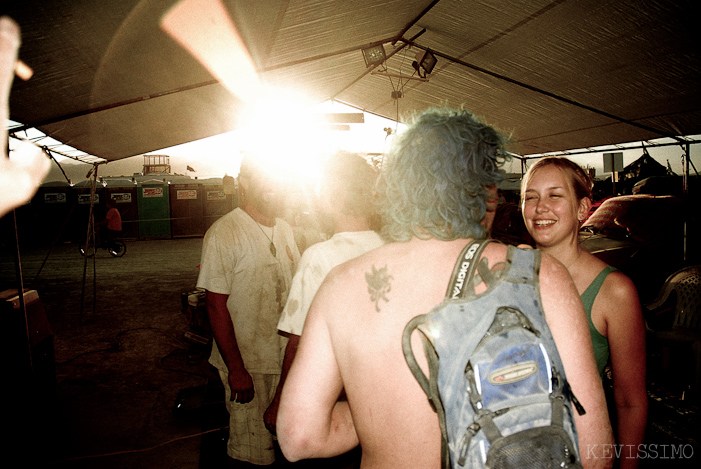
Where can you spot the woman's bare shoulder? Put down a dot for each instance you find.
(617, 284)
(618, 288)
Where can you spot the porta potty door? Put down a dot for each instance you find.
(216, 203)
(154, 211)
(186, 210)
(54, 204)
(77, 228)
(126, 199)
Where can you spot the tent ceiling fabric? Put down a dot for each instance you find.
(553, 74)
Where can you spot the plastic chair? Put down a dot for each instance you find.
(686, 327)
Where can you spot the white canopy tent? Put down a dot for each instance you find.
(555, 74)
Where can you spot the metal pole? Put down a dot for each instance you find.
(685, 192)
(90, 243)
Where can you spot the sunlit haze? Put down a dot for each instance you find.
(288, 133)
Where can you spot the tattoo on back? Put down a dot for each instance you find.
(378, 285)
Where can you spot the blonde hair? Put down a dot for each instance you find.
(579, 180)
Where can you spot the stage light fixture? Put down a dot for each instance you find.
(425, 60)
(374, 55)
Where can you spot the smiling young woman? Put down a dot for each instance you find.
(555, 198)
(552, 212)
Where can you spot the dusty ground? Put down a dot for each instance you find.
(120, 355)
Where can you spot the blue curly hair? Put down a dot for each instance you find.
(433, 181)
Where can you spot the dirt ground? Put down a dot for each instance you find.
(121, 360)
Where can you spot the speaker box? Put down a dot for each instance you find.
(29, 389)
(29, 340)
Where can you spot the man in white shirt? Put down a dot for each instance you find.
(248, 258)
(347, 197)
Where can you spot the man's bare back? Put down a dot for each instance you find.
(433, 191)
(360, 313)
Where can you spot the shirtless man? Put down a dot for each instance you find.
(434, 187)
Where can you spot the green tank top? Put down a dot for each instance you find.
(600, 343)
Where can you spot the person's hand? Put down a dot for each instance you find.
(20, 175)
(270, 416)
(26, 167)
(241, 385)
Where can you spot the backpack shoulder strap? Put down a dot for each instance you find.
(465, 267)
(524, 264)
(463, 264)
(466, 261)
(429, 383)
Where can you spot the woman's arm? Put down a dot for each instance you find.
(618, 304)
(568, 323)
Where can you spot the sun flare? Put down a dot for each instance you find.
(282, 129)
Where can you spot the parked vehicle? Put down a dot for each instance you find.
(641, 235)
(666, 185)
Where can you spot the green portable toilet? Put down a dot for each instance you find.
(154, 210)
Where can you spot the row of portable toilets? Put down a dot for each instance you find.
(149, 210)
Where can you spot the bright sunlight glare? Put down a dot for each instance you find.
(282, 129)
(278, 126)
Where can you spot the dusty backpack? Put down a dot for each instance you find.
(495, 379)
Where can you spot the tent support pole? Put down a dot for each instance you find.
(685, 191)
(90, 236)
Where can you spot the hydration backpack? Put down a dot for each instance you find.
(495, 379)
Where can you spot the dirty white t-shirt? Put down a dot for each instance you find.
(236, 261)
(317, 261)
